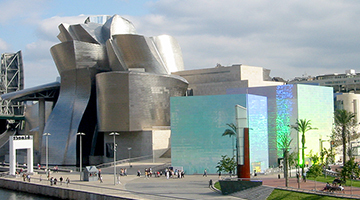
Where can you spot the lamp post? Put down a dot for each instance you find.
(351, 148)
(129, 149)
(80, 134)
(47, 152)
(114, 134)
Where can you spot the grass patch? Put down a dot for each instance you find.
(217, 185)
(330, 180)
(283, 194)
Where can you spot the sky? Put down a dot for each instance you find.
(291, 38)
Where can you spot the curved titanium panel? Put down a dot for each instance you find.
(90, 33)
(114, 55)
(66, 116)
(130, 101)
(117, 25)
(126, 101)
(170, 52)
(136, 52)
(86, 55)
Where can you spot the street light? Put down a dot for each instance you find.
(80, 134)
(47, 152)
(351, 148)
(114, 134)
(129, 149)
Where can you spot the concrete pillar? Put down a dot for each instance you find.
(38, 136)
(12, 160)
(30, 160)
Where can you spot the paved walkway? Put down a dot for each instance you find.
(312, 186)
(190, 187)
(134, 187)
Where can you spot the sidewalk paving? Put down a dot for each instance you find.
(309, 185)
(134, 187)
(190, 187)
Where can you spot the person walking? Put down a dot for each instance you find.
(205, 173)
(67, 181)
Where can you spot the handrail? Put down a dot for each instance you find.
(109, 164)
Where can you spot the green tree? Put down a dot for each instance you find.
(344, 121)
(350, 169)
(226, 164)
(316, 168)
(292, 160)
(327, 156)
(284, 142)
(231, 133)
(303, 126)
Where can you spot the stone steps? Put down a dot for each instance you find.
(256, 193)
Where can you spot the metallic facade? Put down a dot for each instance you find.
(143, 100)
(107, 71)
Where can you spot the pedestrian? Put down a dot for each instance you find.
(28, 177)
(101, 179)
(55, 180)
(138, 173)
(51, 181)
(99, 174)
(67, 181)
(205, 173)
(61, 180)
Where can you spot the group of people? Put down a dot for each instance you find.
(177, 173)
(334, 186)
(169, 173)
(26, 177)
(54, 181)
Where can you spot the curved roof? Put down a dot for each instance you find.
(49, 92)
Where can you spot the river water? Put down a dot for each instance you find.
(15, 195)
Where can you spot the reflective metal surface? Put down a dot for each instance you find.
(121, 99)
(142, 101)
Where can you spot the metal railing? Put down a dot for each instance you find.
(109, 164)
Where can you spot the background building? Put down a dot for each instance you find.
(343, 83)
(214, 81)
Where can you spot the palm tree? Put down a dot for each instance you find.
(231, 133)
(284, 142)
(343, 121)
(303, 126)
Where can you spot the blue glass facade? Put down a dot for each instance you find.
(197, 124)
(286, 104)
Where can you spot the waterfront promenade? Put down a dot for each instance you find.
(134, 187)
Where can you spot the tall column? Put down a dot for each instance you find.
(244, 169)
(38, 136)
(12, 156)
(30, 160)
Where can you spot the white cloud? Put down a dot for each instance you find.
(48, 28)
(288, 37)
(3, 45)
(37, 58)
(11, 10)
